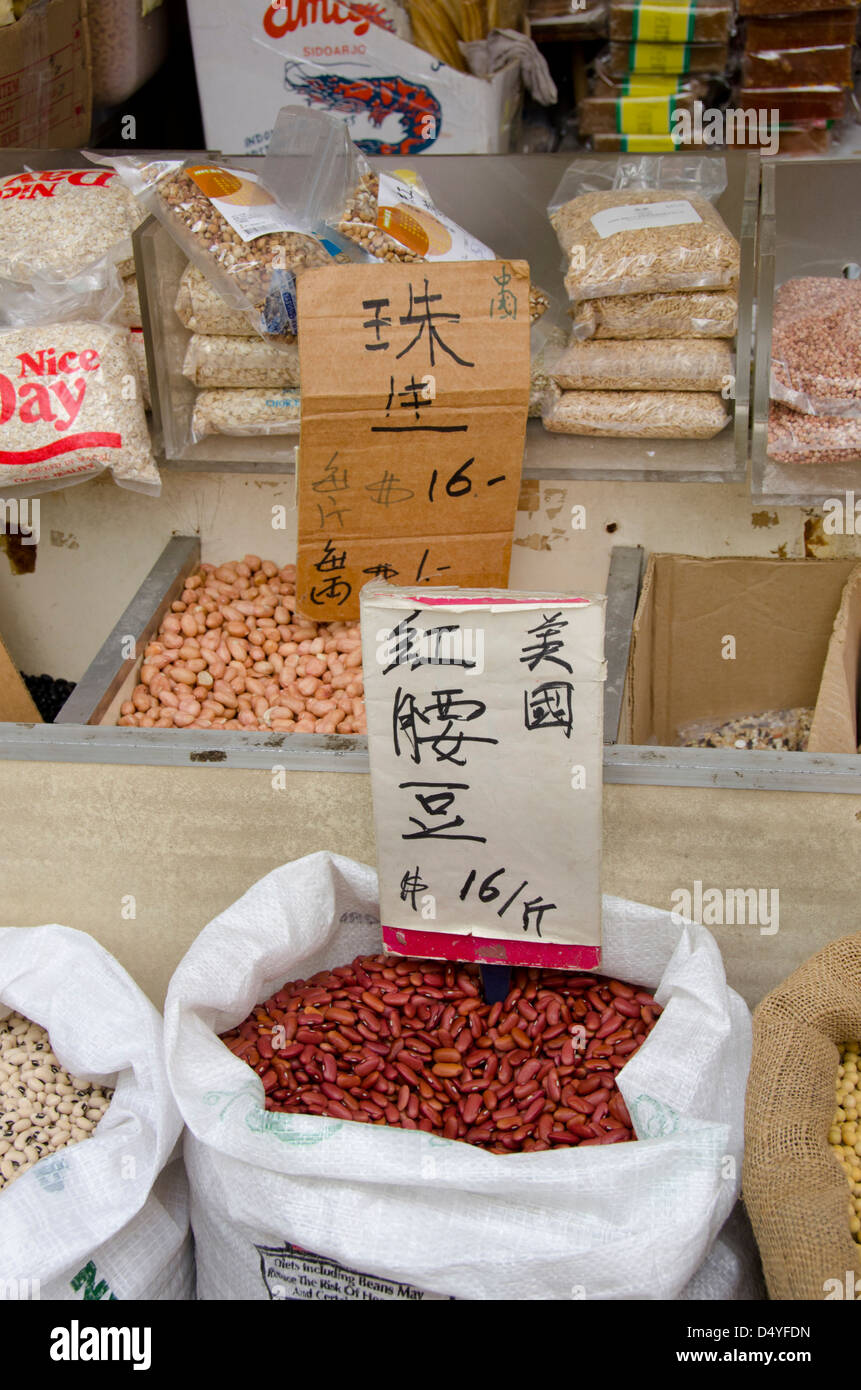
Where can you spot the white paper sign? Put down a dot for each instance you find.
(485, 713)
(675, 212)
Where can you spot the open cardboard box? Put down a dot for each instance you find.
(16, 706)
(399, 99)
(780, 614)
(835, 724)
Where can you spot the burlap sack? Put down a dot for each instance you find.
(794, 1187)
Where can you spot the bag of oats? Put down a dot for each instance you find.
(245, 412)
(214, 360)
(58, 225)
(201, 308)
(70, 408)
(691, 314)
(643, 225)
(638, 414)
(663, 364)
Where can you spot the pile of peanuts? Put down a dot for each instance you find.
(845, 1134)
(413, 1044)
(42, 1108)
(232, 654)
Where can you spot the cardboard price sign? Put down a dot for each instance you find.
(485, 715)
(415, 391)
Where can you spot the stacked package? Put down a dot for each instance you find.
(815, 380)
(662, 57)
(797, 59)
(249, 386)
(653, 279)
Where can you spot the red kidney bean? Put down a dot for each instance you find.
(414, 1045)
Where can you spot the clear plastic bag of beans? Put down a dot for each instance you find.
(213, 360)
(697, 314)
(794, 437)
(229, 224)
(816, 345)
(105, 1217)
(638, 414)
(308, 1181)
(389, 216)
(643, 224)
(645, 364)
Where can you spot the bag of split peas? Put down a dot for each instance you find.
(802, 1165)
(311, 1206)
(93, 1197)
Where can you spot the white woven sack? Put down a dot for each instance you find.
(106, 1218)
(381, 1208)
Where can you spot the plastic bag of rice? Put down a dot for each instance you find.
(644, 364)
(201, 308)
(70, 407)
(643, 226)
(693, 314)
(638, 414)
(57, 224)
(221, 360)
(245, 412)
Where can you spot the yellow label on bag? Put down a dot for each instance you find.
(644, 115)
(648, 144)
(658, 57)
(646, 86)
(654, 23)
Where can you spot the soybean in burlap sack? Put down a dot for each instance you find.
(297, 1207)
(794, 1188)
(106, 1218)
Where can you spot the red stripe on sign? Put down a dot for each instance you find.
(91, 440)
(437, 945)
(452, 601)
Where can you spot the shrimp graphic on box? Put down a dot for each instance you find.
(417, 110)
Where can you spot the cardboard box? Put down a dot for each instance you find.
(835, 726)
(16, 706)
(253, 57)
(45, 79)
(780, 614)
